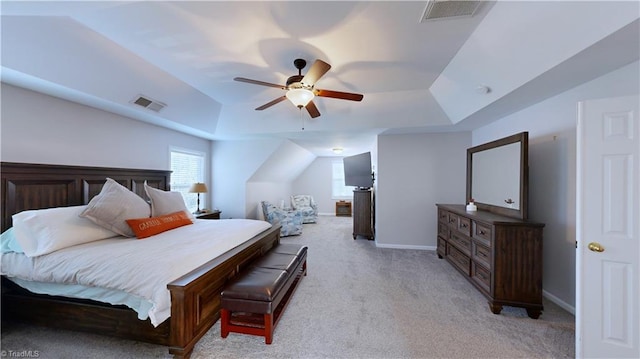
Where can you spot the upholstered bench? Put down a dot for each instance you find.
(254, 302)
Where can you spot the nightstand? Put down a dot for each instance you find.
(343, 208)
(209, 215)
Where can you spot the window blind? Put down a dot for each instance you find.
(187, 168)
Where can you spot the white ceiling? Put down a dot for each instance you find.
(415, 76)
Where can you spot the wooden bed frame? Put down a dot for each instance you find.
(195, 297)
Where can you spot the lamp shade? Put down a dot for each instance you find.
(300, 97)
(198, 188)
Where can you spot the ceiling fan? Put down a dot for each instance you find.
(301, 89)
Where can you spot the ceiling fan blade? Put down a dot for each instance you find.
(256, 82)
(312, 109)
(339, 95)
(269, 104)
(317, 70)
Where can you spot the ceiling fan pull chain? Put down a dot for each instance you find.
(302, 118)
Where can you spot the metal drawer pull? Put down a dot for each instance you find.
(482, 232)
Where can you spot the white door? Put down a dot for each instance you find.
(608, 239)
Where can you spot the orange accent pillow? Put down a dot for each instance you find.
(147, 227)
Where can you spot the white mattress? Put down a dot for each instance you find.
(129, 271)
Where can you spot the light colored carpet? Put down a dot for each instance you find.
(357, 301)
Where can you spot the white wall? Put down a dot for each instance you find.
(415, 172)
(272, 192)
(507, 60)
(38, 128)
(246, 172)
(234, 162)
(316, 180)
(272, 180)
(552, 169)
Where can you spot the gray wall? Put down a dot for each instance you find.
(38, 128)
(415, 172)
(234, 162)
(552, 170)
(246, 172)
(317, 181)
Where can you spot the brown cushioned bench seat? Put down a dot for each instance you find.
(290, 248)
(286, 258)
(254, 302)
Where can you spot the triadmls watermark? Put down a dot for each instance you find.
(20, 353)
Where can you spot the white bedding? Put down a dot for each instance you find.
(140, 268)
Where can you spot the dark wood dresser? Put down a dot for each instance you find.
(501, 256)
(363, 214)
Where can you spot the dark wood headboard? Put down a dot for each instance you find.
(35, 186)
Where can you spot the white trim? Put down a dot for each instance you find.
(205, 197)
(187, 150)
(578, 228)
(406, 246)
(192, 152)
(562, 304)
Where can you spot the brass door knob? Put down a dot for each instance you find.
(596, 247)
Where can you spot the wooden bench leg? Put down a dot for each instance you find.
(268, 328)
(224, 322)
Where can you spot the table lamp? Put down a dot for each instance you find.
(198, 188)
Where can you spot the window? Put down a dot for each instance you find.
(339, 190)
(187, 168)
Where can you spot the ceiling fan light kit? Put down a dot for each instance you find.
(300, 97)
(301, 89)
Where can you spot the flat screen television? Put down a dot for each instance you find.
(357, 171)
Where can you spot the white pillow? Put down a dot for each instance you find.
(114, 205)
(166, 202)
(43, 231)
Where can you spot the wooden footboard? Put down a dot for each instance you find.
(195, 297)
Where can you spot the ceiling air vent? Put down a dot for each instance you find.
(446, 9)
(148, 103)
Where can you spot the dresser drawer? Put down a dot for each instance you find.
(442, 247)
(481, 276)
(462, 242)
(443, 230)
(452, 220)
(481, 253)
(443, 216)
(482, 232)
(464, 226)
(459, 259)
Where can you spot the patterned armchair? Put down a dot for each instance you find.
(306, 204)
(291, 220)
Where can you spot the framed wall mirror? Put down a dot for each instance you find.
(498, 176)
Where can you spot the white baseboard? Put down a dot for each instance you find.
(405, 246)
(562, 304)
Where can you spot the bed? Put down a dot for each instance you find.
(194, 297)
